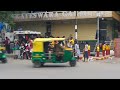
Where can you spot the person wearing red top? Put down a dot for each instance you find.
(7, 44)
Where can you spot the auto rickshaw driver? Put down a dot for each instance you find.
(50, 50)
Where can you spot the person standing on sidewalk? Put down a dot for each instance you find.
(98, 50)
(77, 50)
(103, 49)
(88, 50)
(85, 51)
(7, 45)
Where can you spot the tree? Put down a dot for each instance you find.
(6, 17)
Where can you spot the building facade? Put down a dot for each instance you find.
(62, 23)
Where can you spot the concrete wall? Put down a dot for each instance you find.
(109, 30)
(85, 31)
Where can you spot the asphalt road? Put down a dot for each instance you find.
(23, 69)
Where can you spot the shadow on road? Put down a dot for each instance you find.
(51, 66)
(2, 63)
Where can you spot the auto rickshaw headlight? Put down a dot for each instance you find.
(43, 58)
(4, 56)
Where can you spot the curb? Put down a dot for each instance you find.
(11, 56)
(102, 58)
(98, 58)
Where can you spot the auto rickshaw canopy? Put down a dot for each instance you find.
(48, 39)
(38, 45)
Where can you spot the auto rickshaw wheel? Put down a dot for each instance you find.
(37, 64)
(4, 61)
(42, 64)
(72, 63)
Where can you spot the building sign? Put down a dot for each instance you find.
(56, 15)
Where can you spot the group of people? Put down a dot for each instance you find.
(58, 48)
(25, 48)
(76, 47)
(25, 44)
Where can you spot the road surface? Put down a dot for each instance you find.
(23, 69)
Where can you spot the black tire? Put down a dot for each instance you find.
(4, 61)
(37, 64)
(42, 64)
(72, 63)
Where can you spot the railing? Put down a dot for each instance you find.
(59, 15)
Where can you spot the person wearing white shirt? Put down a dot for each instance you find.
(77, 50)
(86, 51)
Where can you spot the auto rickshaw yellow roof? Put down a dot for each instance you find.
(48, 39)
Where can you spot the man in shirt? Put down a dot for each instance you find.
(86, 51)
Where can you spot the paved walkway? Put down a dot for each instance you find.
(112, 60)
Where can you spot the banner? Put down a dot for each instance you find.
(1, 26)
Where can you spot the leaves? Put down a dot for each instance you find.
(6, 17)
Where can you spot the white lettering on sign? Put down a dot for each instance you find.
(26, 15)
(70, 14)
(34, 15)
(45, 15)
(40, 15)
(30, 15)
(22, 16)
(49, 15)
(56, 15)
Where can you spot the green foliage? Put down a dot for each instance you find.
(6, 17)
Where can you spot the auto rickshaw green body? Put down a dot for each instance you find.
(3, 57)
(39, 56)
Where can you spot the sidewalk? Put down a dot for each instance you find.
(114, 60)
(10, 55)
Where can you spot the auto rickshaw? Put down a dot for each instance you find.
(40, 55)
(3, 58)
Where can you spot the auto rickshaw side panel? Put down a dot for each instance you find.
(2, 53)
(38, 47)
(67, 55)
(37, 51)
(38, 56)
